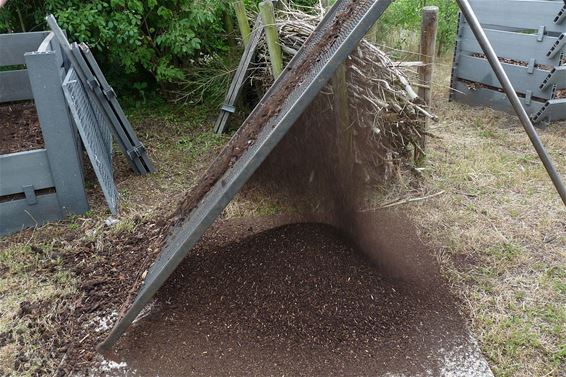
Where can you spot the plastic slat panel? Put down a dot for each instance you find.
(509, 45)
(15, 86)
(13, 46)
(33, 163)
(494, 99)
(553, 110)
(519, 14)
(557, 77)
(479, 70)
(23, 215)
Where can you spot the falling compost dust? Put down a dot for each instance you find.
(331, 164)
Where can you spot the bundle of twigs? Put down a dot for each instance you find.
(379, 94)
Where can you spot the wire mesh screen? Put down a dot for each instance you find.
(329, 45)
(95, 133)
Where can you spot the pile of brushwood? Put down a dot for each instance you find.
(379, 95)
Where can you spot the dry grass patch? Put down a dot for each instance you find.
(500, 229)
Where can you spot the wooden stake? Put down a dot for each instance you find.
(229, 26)
(427, 53)
(373, 33)
(243, 23)
(340, 89)
(275, 54)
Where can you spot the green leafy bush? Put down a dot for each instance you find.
(143, 42)
(138, 38)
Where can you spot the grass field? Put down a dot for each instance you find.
(492, 214)
(500, 232)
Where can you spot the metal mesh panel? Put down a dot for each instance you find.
(95, 133)
(353, 18)
(276, 127)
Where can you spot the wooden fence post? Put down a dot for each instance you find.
(427, 53)
(229, 26)
(243, 23)
(340, 89)
(268, 16)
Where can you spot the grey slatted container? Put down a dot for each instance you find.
(41, 185)
(529, 36)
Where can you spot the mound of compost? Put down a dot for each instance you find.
(19, 128)
(385, 123)
(295, 300)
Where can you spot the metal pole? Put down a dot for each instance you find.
(475, 25)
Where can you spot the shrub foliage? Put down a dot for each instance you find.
(138, 37)
(140, 42)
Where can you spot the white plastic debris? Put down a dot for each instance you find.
(111, 221)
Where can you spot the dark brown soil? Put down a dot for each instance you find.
(300, 299)
(297, 300)
(19, 128)
(64, 328)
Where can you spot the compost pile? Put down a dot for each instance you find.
(19, 128)
(350, 140)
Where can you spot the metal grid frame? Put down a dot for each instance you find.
(89, 73)
(355, 25)
(95, 134)
(238, 80)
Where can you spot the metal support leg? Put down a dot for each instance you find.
(475, 25)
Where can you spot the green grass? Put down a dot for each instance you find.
(34, 275)
(501, 211)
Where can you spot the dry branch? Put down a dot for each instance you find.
(380, 95)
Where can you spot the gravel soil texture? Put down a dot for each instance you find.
(19, 128)
(299, 299)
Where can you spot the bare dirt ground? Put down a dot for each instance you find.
(483, 205)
